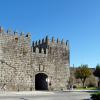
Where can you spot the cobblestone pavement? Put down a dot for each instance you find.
(51, 96)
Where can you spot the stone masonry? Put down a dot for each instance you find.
(21, 61)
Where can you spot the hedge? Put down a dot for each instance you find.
(95, 96)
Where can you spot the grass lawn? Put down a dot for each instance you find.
(88, 88)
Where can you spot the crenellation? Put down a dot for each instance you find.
(39, 42)
(37, 50)
(10, 32)
(42, 51)
(47, 40)
(1, 29)
(33, 44)
(21, 61)
(16, 34)
(53, 41)
(46, 51)
(36, 43)
(58, 41)
(43, 41)
(67, 43)
(22, 34)
(62, 42)
(28, 35)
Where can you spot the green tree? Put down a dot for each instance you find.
(82, 72)
(97, 74)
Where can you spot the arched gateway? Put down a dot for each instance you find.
(41, 81)
(40, 65)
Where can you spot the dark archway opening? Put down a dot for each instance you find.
(41, 81)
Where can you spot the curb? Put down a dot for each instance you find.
(82, 91)
(26, 93)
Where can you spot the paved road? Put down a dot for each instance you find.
(55, 96)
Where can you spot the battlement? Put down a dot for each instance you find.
(22, 62)
(48, 41)
(45, 44)
(9, 32)
(39, 47)
(38, 50)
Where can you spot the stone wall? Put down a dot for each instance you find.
(57, 57)
(20, 62)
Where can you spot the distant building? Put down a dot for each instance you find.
(26, 66)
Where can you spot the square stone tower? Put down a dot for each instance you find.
(55, 63)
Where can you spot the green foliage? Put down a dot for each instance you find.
(95, 96)
(82, 73)
(97, 73)
(87, 88)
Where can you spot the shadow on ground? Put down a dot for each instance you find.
(23, 99)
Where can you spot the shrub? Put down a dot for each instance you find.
(95, 96)
(74, 86)
(91, 85)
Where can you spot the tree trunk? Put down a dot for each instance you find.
(83, 82)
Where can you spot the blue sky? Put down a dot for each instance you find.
(75, 20)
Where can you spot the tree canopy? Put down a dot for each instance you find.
(97, 73)
(82, 72)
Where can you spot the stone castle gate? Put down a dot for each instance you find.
(40, 65)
